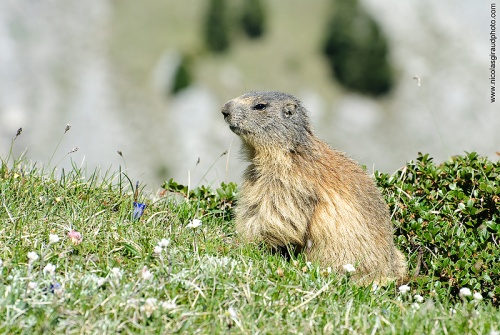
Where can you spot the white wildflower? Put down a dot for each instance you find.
(32, 256)
(375, 287)
(117, 273)
(349, 268)
(49, 268)
(146, 274)
(232, 312)
(149, 306)
(168, 305)
(53, 238)
(151, 301)
(477, 296)
(404, 288)
(415, 306)
(195, 223)
(100, 281)
(464, 292)
(157, 250)
(132, 302)
(32, 285)
(418, 298)
(165, 242)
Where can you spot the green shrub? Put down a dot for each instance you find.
(253, 18)
(357, 51)
(216, 26)
(183, 76)
(218, 202)
(447, 221)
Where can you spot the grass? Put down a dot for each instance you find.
(162, 274)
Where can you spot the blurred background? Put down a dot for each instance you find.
(383, 80)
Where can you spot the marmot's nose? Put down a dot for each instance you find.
(226, 109)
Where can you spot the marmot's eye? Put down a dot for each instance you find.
(259, 107)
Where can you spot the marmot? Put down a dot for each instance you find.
(300, 194)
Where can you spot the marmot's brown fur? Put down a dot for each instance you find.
(300, 194)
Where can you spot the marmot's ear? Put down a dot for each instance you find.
(289, 109)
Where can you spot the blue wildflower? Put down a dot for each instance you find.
(138, 210)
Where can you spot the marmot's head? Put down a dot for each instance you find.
(268, 119)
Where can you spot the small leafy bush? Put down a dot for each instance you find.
(216, 27)
(218, 202)
(183, 76)
(447, 221)
(357, 50)
(253, 20)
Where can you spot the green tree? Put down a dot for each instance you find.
(357, 50)
(253, 20)
(216, 30)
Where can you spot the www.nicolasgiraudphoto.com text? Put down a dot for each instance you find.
(493, 42)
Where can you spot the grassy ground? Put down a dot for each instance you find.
(164, 273)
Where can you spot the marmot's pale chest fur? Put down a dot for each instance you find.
(300, 194)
